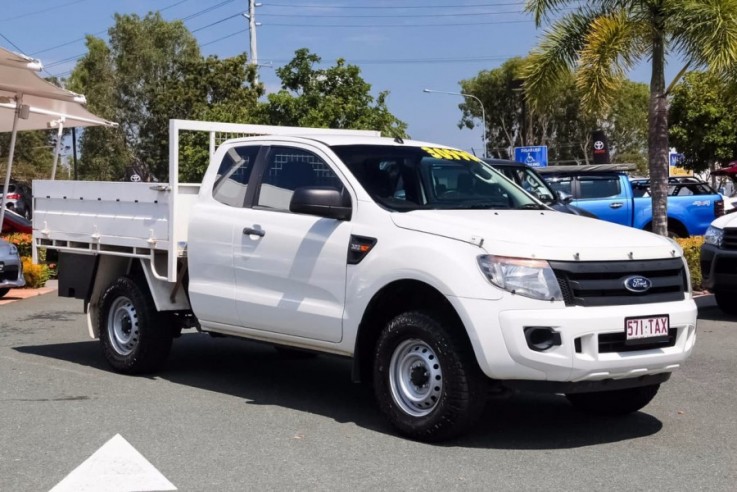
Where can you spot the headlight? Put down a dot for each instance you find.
(526, 277)
(714, 235)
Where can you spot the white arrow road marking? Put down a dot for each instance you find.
(115, 467)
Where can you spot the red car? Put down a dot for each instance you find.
(16, 223)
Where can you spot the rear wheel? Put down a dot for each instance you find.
(613, 403)
(426, 379)
(134, 337)
(726, 300)
(675, 230)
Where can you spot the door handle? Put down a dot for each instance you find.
(616, 205)
(250, 231)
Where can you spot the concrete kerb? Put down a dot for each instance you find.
(18, 294)
(704, 300)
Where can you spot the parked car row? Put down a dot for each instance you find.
(18, 199)
(606, 192)
(526, 177)
(16, 219)
(611, 196)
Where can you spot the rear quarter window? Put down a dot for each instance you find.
(599, 186)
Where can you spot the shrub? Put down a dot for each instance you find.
(692, 251)
(24, 243)
(35, 275)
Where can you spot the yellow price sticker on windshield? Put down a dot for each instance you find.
(450, 154)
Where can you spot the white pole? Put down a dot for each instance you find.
(251, 16)
(16, 117)
(252, 30)
(57, 150)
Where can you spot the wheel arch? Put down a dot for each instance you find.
(109, 268)
(675, 227)
(394, 298)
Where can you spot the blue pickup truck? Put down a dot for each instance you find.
(611, 196)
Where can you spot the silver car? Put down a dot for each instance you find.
(11, 268)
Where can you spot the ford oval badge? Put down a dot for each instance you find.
(637, 284)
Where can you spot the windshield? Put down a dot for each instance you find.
(529, 180)
(410, 178)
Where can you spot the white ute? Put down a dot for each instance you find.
(444, 281)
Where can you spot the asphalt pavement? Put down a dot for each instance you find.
(227, 414)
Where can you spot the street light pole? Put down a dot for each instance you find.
(481, 105)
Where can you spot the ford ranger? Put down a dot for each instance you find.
(442, 280)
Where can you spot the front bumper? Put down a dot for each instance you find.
(718, 268)
(503, 353)
(11, 275)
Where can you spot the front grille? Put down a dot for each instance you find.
(730, 238)
(9, 273)
(616, 342)
(601, 283)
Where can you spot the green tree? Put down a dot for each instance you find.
(151, 72)
(605, 38)
(498, 91)
(33, 156)
(208, 89)
(336, 97)
(146, 53)
(625, 124)
(703, 122)
(104, 151)
(562, 122)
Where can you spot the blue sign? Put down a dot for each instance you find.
(675, 159)
(532, 156)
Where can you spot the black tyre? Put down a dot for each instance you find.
(135, 339)
(3, 292)
(426, 379)
(613, 403)
(726, 300)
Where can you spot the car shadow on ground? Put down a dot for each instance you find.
(713, 313)
(321, 385)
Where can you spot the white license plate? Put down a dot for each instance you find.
(646, 327)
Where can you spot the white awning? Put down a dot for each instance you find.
(47, 104)
(28, 102)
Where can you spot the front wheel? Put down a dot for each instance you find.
(426, 380)
(134, 338)
(614, 403)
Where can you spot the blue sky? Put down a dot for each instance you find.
(402, 46)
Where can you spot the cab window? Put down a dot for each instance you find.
(289, 168)
(234, 174)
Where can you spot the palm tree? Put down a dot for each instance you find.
(603, 39)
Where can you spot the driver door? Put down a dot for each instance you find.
(290, 269)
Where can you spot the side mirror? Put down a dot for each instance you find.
(565, 197)
(544, 197)
(321, 201)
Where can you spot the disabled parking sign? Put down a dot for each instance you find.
(536, 156)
